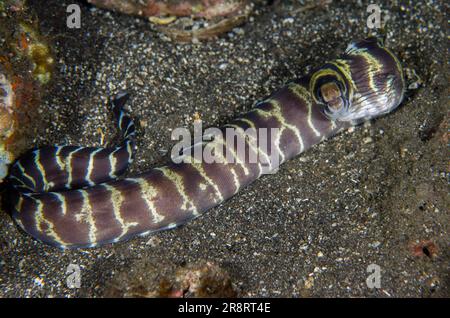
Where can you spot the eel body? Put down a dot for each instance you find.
(71, 197)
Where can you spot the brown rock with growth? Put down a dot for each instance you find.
(196, 8)
(26, 66)
(222, 15)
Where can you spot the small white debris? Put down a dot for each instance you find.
(288, 21)
(375, 244)
(38, 281)
(309, 282)
(239, 31)
(153, 241)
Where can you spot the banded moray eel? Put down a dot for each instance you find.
(70, 196)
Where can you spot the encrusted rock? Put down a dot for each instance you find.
(26, 66)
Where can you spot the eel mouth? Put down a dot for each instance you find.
(332, 96)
